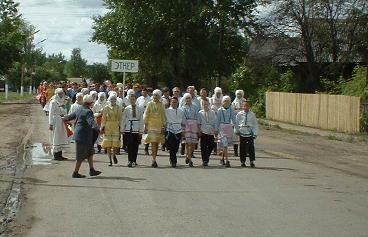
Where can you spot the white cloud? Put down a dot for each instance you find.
(66, 24)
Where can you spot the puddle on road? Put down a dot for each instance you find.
(39, 154)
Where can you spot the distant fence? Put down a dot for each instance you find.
(331, 112)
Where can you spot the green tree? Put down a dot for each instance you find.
(98, 72)
(175, 41)
(76, 66)
(12, 37)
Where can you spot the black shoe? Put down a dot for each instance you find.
(173, 165)
(94, 172)
(190, 163)
(110, 164)
(99, 148)
(154, 164)
(115, 159)
(130, 164)
(76, 175)
(222, 162)
(243, 165)
(205, 163)
(135, 164)
(182, 151)
(236, 153)
(146, 152)
(228, 164)
(252, 165)
(187, 160)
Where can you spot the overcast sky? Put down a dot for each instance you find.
(66, 24)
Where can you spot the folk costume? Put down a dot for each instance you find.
(59, 134)
(208, 126)
(247, 128)
(132, 126)
(174, 123)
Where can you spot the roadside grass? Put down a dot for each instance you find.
(14, 96)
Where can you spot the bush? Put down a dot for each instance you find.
(358, 85)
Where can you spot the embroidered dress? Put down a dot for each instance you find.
(155, 119)
(226, 119)
(191, 123)
(111, 118)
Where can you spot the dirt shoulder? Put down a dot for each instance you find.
(348, 157)
(14, 125)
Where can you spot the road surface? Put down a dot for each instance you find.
(286, 195)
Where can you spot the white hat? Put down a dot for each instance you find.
(119, 85)
(87, 99)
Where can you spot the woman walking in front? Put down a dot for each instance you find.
(85, 133)
(110, 128)
(155, 121)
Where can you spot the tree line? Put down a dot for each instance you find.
(20, 56)
(286, 45)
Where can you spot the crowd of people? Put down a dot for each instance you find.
(110, 118)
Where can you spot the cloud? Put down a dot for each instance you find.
(66, 24)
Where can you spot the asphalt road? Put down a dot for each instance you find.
(281, 197)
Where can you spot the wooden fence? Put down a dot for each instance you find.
(331, 112)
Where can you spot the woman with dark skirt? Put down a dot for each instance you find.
(85, 135)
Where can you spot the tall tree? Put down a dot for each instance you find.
(174, 40)
(330, 31)
(76, 66)
(12, 36)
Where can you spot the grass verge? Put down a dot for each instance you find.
(13, 96)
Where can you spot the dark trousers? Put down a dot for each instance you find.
(125, 142)
(172, 143)
(207, 145)
(132, 145)
(247, 149)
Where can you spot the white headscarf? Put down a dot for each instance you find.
(87, 99)
(157, 92)
(225, 98)
(57, 98)
(112, 95)
(85, 91)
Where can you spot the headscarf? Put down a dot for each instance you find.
(87, 99)
(157, 92)
(85, 91)
(111, 96)
(225, 98)
(57, 98)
